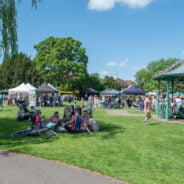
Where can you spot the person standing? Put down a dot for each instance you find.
(75, 101)
(51, 100)
(147, 109)
(1, 101)
(141, 100)
(82, 103)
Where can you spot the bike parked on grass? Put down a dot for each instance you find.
(33, 131)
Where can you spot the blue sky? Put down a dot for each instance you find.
(120, 36)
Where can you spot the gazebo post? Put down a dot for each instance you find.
(167, 99)
(158, 101)
(172, 83)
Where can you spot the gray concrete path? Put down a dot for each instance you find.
(22, 169)
(126, 113)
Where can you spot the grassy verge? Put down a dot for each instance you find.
(126, 149)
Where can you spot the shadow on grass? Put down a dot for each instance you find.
(107, 131)
(110, 130)
(154, 124)
(8, 126)
(7, 153)
(5, 110)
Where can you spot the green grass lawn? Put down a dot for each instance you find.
(126, 149)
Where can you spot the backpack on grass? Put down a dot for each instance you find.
(93, 125)
(68, 112)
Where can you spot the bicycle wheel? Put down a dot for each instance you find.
(18, 134)
(48, 134)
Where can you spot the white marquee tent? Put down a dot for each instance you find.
(22, 88)
(31, 87)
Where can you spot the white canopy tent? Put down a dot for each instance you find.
(22, 88)
(31, 87)
(26, 90)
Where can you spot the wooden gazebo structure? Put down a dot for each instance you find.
(173, 73)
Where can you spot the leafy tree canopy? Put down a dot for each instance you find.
(62, 62)
(144, 77)
(110, 82)
(95, 82)
(18, 69)
(8, 26)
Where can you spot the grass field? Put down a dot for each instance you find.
(126, 149)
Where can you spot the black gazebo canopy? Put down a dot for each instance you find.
(45, 88)
(134, 90)
(91, 91)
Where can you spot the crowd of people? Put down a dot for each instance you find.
(143, 103)
(73, 122)
(140, 103)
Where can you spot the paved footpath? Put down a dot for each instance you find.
(126, 113)
(22, 169)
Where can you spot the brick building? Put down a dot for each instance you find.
(125, 83)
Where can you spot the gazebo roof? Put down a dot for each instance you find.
(175, 71)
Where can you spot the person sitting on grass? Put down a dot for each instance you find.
(38, 119)
(32, 113)
(76, 124)
(54, 118)
(53, 121)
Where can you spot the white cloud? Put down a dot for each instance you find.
(138, 67)
(121, 64)
(112, 64)
(104, 73)
(126, 60)
(182, 53)
(102, 5)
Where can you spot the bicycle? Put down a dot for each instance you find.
(43, 132)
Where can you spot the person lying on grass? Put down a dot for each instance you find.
(76, 124)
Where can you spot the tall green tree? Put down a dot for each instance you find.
(18, 69)
(62, 62)
(8, 26)
(8, 72)
(26, 71)
(95, 82)
(110, 82)
(144, 77)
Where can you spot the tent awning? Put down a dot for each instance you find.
(134, 90)
(4, 91)
(66, 92)
(91, 91)
(45, 88)
(22, 88)
(110, 92)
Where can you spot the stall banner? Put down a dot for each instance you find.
(32, 98)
